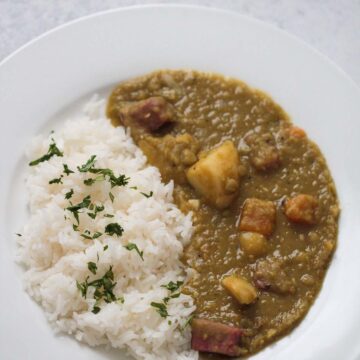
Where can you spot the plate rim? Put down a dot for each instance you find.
(205, 8)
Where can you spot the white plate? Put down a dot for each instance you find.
(54, 73)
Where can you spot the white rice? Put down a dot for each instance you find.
(56, 256)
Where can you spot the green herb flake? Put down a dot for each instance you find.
(66, 170)
(111, 196)
(52, 151)
(75, 227)
(104, 287)
(132, 246)
(133, 187)
(89, 182)
(18, 234)
(120, 180)
(187, 323)
(168, 298)
(114, 229)
(96, 309)
(97, 234)
(56, 180)
(85, 236)
(92, 267)
(172, 286)
(69, 194)
(161, 309)
(120, 300)
(106, 247)
(83, 287)
(108, 215)
(97, 209)
(82, 205)
(149, 195)
(88, 165)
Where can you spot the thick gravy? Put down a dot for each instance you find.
(273, 225)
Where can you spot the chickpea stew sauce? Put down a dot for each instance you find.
(265, 209)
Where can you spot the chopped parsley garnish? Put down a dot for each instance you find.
(168, 298)
(97, 234)
(171, 286)
(88, 236)
(161, 309)
(56, 180)
(97, 209)
(85, 203)
(92, 215)
(111, 196)
(132, 246)
(104, 287)
(92, 267)
(89, 182)
(52, 151)
(88, 165)
(187, 323)
(83, 287)
(108, 215)
(149, 195)
(96, 309)
(66, 170)
(106, 247)
(114, 229)
(18, 234)
(76, 227)
(133, 187)
(69, 194)
(120, 180)
(121, 299)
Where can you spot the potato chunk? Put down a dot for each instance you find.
(258, 216)
(216, 175)
(240, 288)
(301, 209)
(253, 244)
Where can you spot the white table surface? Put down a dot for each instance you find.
(331, 26)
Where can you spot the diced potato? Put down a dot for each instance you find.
(194, 204)
(240, 288)
(216, 175)
(253, 244)
(258, 216)
(301, 209)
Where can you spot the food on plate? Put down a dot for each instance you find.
(211, 336)
(103, 243)
(263, 204)
(195, 219)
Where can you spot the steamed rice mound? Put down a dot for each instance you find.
(56, 257)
